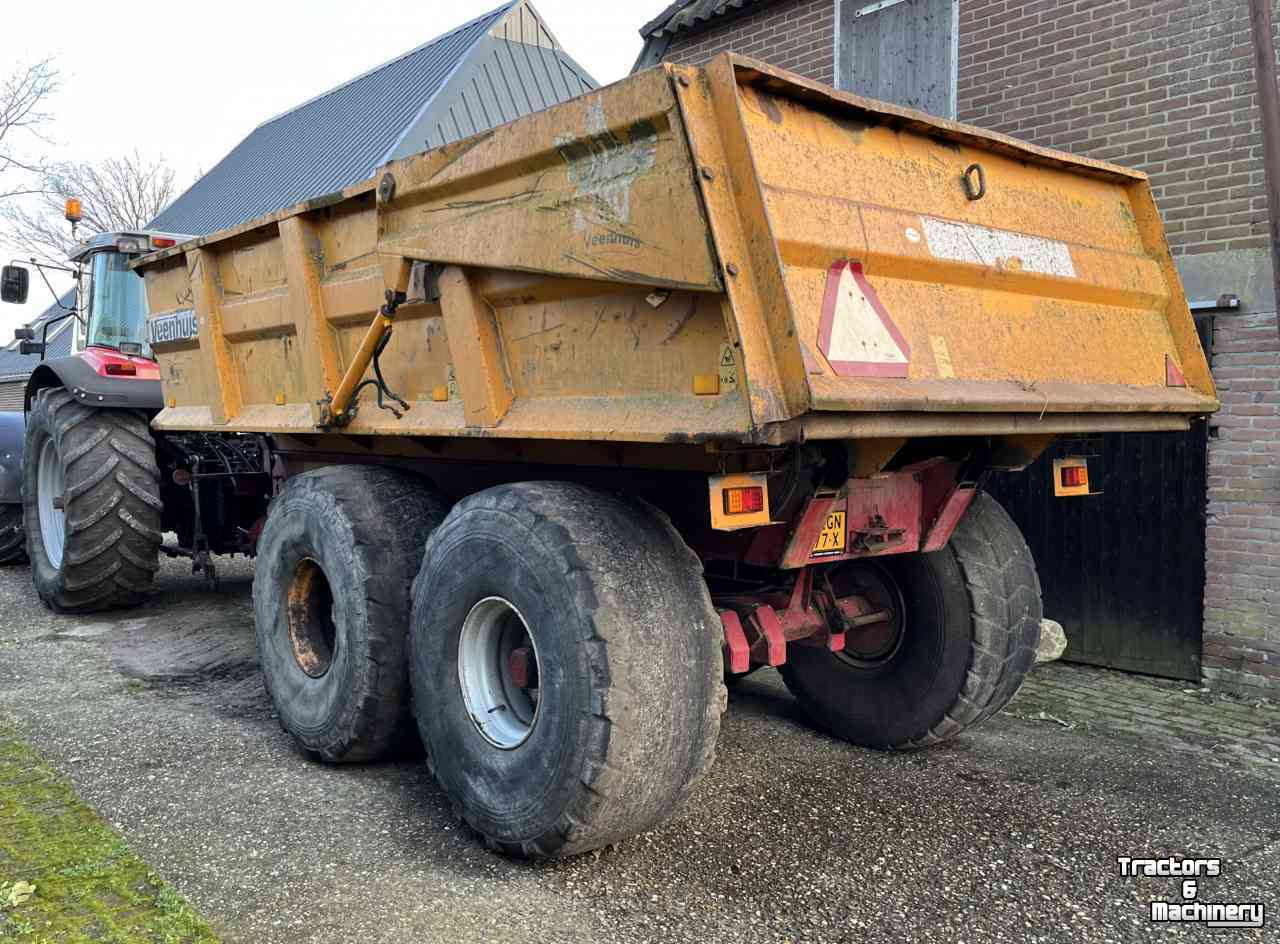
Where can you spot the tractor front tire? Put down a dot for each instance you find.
(13, 541)
(91, 504)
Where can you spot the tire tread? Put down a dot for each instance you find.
(636, 771)
(1004, 591)
(13, 539)
(112, 504)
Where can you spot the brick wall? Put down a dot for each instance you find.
(1242, 590)
(795, 34)
(1163, 85)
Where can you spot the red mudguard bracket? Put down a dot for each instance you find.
(737, 653)
(764, 633)
(944, 525)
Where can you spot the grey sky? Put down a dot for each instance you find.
(188, 81)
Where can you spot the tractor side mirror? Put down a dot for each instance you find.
(15, 282)
(24, 334)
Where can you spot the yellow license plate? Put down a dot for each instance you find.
(833, 537)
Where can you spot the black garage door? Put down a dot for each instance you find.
(1122, 571)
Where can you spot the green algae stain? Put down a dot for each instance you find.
(66, 877)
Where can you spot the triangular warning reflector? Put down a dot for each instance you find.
(856, 334)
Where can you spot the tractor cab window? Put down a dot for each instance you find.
(118, 309)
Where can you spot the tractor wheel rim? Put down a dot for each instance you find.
(50, 489)
(503, 703)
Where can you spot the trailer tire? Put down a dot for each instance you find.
(625, 648)
(13, 541)
(336, 559)
(970, 624)
(107, 546)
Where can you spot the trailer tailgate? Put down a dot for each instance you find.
(930, 266)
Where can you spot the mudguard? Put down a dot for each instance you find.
(13, 427)
(78, 376)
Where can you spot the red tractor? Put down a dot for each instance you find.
(96, 487)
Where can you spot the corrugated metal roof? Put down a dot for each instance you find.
(690, 14)
(13, 364)
(515, 70)
(342, 136)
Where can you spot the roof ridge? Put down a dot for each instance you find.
(662, 24)
(654, 25)
(496, 11)
(462, 62)
(542, 24)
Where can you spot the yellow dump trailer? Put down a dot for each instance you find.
(697, 373)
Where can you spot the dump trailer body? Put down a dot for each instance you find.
(727, 254)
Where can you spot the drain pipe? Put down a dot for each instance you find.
(1269, 103)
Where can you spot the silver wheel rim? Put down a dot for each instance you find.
(49, 488)
(503, 712)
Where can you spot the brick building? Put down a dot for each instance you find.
(1163, 85)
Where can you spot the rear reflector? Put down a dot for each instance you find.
(1071, 477)
(744, 501)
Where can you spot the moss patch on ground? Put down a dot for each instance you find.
(65, 876)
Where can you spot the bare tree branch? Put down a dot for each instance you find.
(24, 93)
(120, 193)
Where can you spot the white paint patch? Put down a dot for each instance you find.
(596, 121)
(997, 248)
(857, 333)
(942, 357)
(603, 166)
(913, 234)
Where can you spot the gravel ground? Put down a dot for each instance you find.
(1011, 833)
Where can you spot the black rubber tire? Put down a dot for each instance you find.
(628, 648)
(972, 622)
(364, 527)
(13, 540)
(111, 503)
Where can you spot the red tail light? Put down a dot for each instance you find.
(162, 242)
(1075, 476)
(121, 370)
(743, 501)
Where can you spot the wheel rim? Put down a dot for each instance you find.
(49, 499)
(498, 672)
(877, 643)
(313, 633)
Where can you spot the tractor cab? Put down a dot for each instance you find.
(113, 298)
(112, 363)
